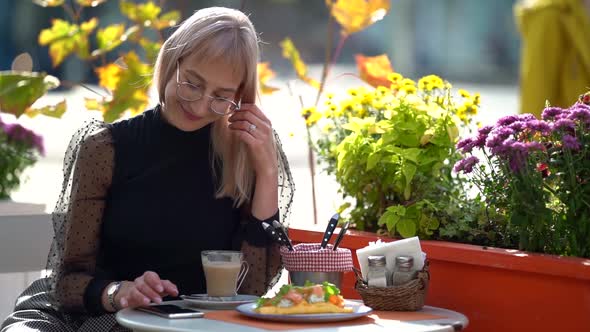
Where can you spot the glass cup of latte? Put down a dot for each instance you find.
(224, 272)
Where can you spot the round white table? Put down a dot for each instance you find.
(143, 322)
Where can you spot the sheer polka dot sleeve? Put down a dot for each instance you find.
(90, 182)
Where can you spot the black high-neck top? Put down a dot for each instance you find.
(161, 210)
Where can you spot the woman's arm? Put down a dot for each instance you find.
(77, 288)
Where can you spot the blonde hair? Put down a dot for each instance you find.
(227, 34)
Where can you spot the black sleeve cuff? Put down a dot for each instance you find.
(254, 234)
(93, 296)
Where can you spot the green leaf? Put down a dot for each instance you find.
(131, 89)
(406, 228)
(167, 20)
(19, 90)
(373, 159)
(110, 37)
(392, 216)
(409, 170)
(54, 111)
(411, 154)
(143, 13)
(64, 38)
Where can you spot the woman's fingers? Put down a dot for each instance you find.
(254, 110)
(169, 288)
(152, 279)
(148, 292)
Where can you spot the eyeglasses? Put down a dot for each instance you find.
(190, 92)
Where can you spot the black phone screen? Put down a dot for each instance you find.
(171, 311)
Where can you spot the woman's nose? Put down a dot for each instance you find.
(201, 106)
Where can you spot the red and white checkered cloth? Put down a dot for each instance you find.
(310, 257)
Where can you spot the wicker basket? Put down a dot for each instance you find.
(407, 297)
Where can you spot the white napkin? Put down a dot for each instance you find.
(406, 247)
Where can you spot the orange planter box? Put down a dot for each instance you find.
(497, 289)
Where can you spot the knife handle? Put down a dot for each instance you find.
(341, 234)
(329, 230)
(283, 234)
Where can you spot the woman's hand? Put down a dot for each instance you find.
(255, 129)
(143, 290)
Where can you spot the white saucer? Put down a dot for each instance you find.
(215, 302)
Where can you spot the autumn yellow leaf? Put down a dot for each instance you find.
(94, 104)
(356, 15)
(142, 13)
(291, 53)
(167, 20)
(131, 91)
(264, 75)
(374, 70)
(108, 76)
(54, 111)
(64, 38)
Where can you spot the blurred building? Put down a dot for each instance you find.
(466, 40)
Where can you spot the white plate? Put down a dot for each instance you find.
(358, 310)
(214, 302)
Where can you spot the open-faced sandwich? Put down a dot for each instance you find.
(308, 299)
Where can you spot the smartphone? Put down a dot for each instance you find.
(171, 311)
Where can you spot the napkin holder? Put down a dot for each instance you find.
(407, 297)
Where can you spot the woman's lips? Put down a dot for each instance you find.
(189, 115)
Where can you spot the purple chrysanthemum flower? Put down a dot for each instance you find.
(466, 165)
(534, 146)
(564, 124)
(18, 133)
(526, 117)
(517, 126)
(518, 146)
(538, 125)
(570, 142)
(465, 145)
(580, 112)
(507, 120)
(482, 135)
(551, 112)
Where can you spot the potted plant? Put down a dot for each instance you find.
(394, 164)
(19, 149)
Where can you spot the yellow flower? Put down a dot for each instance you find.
(430, 82)
(473, 110)
(313, 119)
(353, 92)
(408, 89)
(394, 77)
(476, 99)
(407, 81)
(327, 128)
(381, 91)
(308, 111)
(464, 93)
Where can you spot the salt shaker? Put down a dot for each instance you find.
(403, 270)
(377, 276)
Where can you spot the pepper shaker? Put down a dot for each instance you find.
(403, 270)
(377, 276)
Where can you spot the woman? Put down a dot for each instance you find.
(143, 197)
(555, 55)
